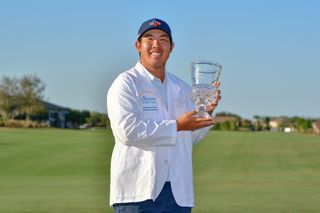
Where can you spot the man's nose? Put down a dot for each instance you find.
(155, 43)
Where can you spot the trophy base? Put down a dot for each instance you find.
(201, 112)
(203, 115)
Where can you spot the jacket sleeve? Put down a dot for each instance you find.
(199, 134)
(125, 117)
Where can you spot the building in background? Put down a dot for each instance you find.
(57, 115)
(316, 127)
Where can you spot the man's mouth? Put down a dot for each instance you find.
(156, 54)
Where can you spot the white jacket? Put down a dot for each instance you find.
(147, 144)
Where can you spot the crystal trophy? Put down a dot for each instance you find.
(204, 74)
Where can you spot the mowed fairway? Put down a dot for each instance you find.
(52, 170)
(257, 172)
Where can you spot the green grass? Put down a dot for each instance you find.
(55, 171)
(257, 172)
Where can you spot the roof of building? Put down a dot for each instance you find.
(220, 119)
(50, 106)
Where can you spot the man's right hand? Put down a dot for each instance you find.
(188, 121)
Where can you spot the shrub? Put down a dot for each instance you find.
(24, 124)
(1, 121)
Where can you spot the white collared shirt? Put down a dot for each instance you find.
(161, 86)
(146, 136)
(163, 160)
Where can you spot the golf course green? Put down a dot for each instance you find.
(57, 171)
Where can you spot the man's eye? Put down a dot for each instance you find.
(165, 40)
(148, 38)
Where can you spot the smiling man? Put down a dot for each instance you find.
(155, 47)
(154, 127)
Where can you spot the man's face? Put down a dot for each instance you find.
(154, 48)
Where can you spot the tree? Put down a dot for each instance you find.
(31, 94)
(261, 122)
(226, 125)
(77, 117)
(234, 125)
(247, 125)
(257, 123)
(94, 119)
(98, 119)
(302, 124)
(1, 121)
(228, 114)
(21, 96)
(10, 104)
(266, 121)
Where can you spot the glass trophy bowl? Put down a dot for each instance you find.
(204, 74)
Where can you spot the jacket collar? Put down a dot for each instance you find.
(173, 89)
(146, 73)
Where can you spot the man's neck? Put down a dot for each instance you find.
(158, 72)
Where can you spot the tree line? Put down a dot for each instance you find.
(21, 105)
(22, 99)
(87, 119)
(262, 123)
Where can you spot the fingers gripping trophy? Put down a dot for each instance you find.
(205, 76)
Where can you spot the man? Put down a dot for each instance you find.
(153, 122)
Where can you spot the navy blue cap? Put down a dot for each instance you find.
(154, 23)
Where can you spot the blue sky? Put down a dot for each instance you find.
(270, 50)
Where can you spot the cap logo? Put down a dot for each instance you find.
(154, 23)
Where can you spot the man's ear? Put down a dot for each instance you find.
(172, 46)
(138, 45)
